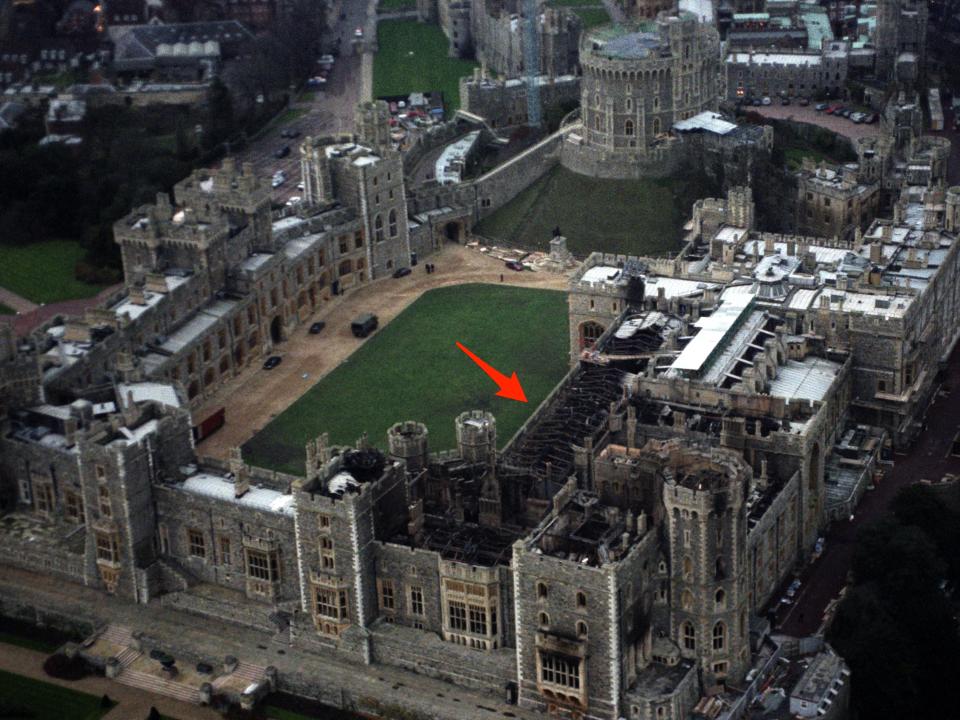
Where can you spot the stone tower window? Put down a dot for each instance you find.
(378, 228)
(581, 628)
(581, 599)
(196, 543)
(416, 601)
(719, 597)
(656, 126)
(327, 561)
(687, 568)
(541, 590)
(686, 600)
(543, 619)
(392, 222)
(719, 636)
(689, 636)
(628, 127)
(630, 105)
(104, 497)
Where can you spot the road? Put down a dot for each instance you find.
(928, 459)
(326, 111)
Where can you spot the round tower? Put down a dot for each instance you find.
(476, 435)
(704, 497)
(952, 215)
(407, 441)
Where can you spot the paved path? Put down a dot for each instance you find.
(132, 703)
(16, 302)
(928, 459)
(267, 393)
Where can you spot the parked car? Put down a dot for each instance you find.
(804, 101)
(278, 180)
(289, 133)
(294, 200)
(401, 272)
(282, 152)
(326, 61)
(756, 102)
(784, 101)
(857, 117)
(831, 109)
(358, 32)
(766, 101)
(272, 362)
(514, 265)
(317, 327)
(846, 112)
(871, 118)
(300, 186)
(364, 324)
(820, 107)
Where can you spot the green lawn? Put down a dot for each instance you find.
(394, 5)
(795, 156)
(593, 16)
(43, 272)
(22, 697)
(637, 217)
(412, 57)
(4, 310)
(26, 641)
(412, 370)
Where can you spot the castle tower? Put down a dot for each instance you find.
(477, 436)
(407, 441)
(704, 500)
(315, 172)
(740, 207)
(372, 124)
(952, 214)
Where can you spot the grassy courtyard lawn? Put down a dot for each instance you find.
(43, 272)
(636, 217)
(593, 16)
(395, 5)
(412, 57)
(22, 697)
(412, 370)
(796, 155)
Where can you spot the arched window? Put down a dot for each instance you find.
(581, 628)
(686, 600)
(628, 127)
(598, 122)
(656, 103)
(719, 636)
(719, 597)
(392, 222)
(689, 636)
(378, 228)
(656, 126)
(544, 620)
(581, 599)
(589, 333)
(596, 100)
(629, 104)
(687, 567)
(541, 590)
(721, 569)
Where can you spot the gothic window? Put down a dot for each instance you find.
(721, 569)
(543, 619)
(598, 122)
(541, 590)
(478, 620)
(719, 597)
(581, 628)
(378, 228)
(104, 496)
(258, 566)
(628, 127)
(581, 599)
(416, 601)
(74, 507)
(719, 636)
(387, 597)
(689, 636)
(630, 106)
(458, 615)
(329, 603)
(225, 558)
(392, 222)
(326, 554)
(656, 103)
(589, 333)
(107, 547)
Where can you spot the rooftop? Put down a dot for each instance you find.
(219, 487)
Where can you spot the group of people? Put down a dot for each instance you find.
(430, 268)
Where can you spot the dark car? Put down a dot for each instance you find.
(401, 272)
(272, 362)
(290, 133)
(282, 152)
(364, 324)
(317, 327)
(804, 101)
(757, 102)
(514, 265)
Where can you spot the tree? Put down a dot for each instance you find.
(219, 116)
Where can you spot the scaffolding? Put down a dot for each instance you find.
(531, 60)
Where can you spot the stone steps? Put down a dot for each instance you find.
(248, 672)
(151, 683)
(117, 635)
(128, 656)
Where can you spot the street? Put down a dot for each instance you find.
(320, 111)
(929, 459)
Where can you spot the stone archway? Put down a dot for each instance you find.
(453, 232)
(276, 330)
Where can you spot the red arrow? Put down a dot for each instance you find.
(510, 387)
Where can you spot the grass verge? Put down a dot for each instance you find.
(23, 697)
(44, 272)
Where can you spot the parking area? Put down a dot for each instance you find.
(798, 113)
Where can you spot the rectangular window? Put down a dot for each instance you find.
(104, 495)
(225, 558)
(326, 554)
(258, 566)
(560, 670)
(107, 549)
(331, 604)
(478, 620)
(73, 507)
(324, 521)
(44, 497)
(416, 601)
(458, 615)
(196, 543)
(387, 598)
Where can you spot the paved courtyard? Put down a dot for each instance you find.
(255, 396)
(808, 114)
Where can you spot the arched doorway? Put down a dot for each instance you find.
(452, 231)
(276, 330)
